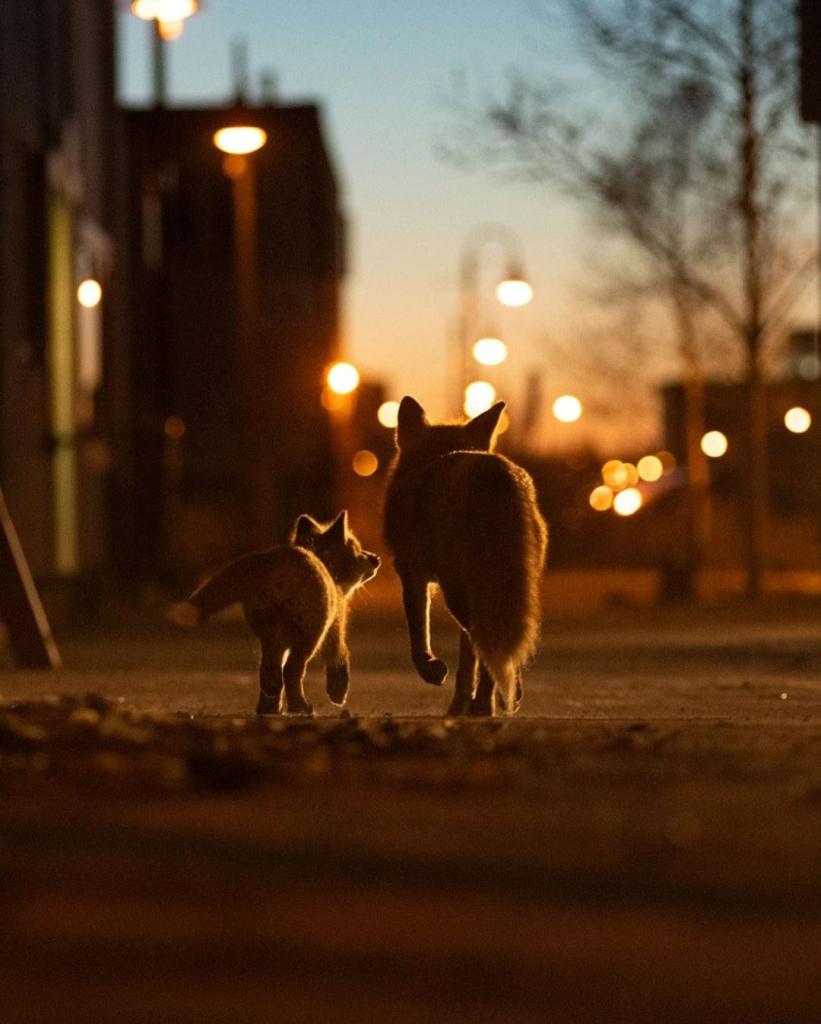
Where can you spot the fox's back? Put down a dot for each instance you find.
(463, 506)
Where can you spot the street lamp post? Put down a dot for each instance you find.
(238, 142)
(513, 290)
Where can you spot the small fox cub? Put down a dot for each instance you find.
(295, 599)
(463, 517)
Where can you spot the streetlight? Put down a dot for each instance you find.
(479, 397)
(241, 169)
(490, 351)
(89, 293)
(512, 291)
(567, 408)
(240, 139)
(342, 378)
(714, 444)
(169, 17)
(797, 420)
(388, 414)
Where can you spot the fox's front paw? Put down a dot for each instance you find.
(337, 678)
(433, 671)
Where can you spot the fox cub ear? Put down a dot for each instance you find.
(338, 530)
(411, 421)
(305, 528)
(481, 429)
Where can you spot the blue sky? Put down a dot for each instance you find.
(377, 69)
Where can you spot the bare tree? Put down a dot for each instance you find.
(700, 178)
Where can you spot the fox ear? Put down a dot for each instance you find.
(338, 530)
(411, 421)
(304, 529)
(481, 429)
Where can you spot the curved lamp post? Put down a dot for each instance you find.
(513, 290)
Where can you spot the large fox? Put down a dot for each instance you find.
(295, 599)
(460, 515)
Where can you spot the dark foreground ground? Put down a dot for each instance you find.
(642, 843)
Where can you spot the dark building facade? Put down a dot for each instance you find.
(58, 360)
(234, 268)
(794, 467)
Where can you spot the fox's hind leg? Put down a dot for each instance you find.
(270, 678)
(465, 677)
(484, 704)
(294, 674)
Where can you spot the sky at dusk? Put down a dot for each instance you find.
(378, 71)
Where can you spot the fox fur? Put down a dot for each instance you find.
(295, 599)
(465, 518)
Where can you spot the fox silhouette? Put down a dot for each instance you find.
(295, 600)
(465, 518)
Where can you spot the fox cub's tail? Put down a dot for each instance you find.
(224, 588)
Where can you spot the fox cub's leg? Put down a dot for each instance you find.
(465, 677)
(294, 674)
(483, 703)
(416, 598)
(337, 661)
(270, 679)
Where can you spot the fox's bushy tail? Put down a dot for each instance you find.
(224, 588)
(505, 601)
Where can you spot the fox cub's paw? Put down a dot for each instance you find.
(337, 678)
(433, 671)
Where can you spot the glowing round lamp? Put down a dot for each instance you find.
(614, 473)
(490, 351)
(343, 378)
(627, 502)
(365, 463)
(714, 444)
(567, 408)
(601, 499)
(240, 140)
(479, 397)
(650, 468)
(797, 420)
(164, 10)
(89, 293)
(514, 291)
(388, 414)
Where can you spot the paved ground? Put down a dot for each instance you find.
(642, 843)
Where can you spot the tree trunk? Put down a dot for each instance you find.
(698, 510)
(749, 205)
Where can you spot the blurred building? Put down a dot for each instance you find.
(59, 362)
(234, 268)
(794, 468)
